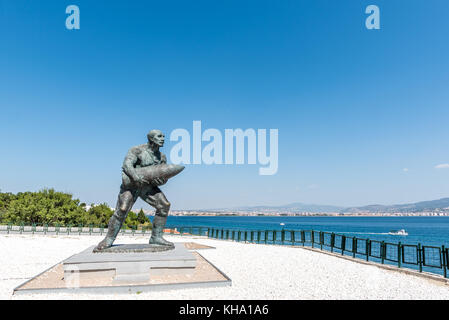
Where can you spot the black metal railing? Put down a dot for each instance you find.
(414, 256)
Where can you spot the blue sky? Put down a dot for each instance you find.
(354, 107)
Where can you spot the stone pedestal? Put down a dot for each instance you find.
(131, 263)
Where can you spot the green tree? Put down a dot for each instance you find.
(142, 218)
(45, 206)
(131, 220)
(98, 215)
(5, 199)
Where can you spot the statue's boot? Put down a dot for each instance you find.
(114, 226)
(158, 230)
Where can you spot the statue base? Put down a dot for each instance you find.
(134, 248)
(131, 263)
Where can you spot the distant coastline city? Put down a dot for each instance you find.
(443, 213)
(424, 208)
(296, 214)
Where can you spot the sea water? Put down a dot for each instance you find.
(432, 231)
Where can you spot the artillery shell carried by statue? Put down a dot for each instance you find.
(158, 171)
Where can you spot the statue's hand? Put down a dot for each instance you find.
(141, 181)
(159, 181)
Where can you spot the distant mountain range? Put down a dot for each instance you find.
(423, 206)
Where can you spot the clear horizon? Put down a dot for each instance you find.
(361, 114)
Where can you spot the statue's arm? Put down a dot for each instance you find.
(160, 181)
(128, 164)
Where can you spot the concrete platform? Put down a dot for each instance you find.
(205, 275)
(128, 263)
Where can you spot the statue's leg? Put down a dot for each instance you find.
(125, 202)
(157, 199)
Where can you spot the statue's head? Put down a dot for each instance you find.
(156, 137)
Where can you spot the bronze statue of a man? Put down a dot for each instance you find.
(134, 185)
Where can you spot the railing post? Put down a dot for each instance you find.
(332, 241)
(312, 236)
(399, 254)
(444, 261)
(303, 237)
(420, 257)
(259, 234)
(382, 251)
(367, 249)
(266, 236)
(447, 259)
(321, 239)
(354, 246)
(343, 244)
(292, 237)
(274, 236)
(282, 236)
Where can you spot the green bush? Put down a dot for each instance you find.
(51, 207)
(45, 206)
(142, 218)
(98, 215)
(134, 221)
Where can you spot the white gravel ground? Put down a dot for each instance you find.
(257, 272)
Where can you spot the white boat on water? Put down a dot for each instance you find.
(400, 232)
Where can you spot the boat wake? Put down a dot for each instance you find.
(368, 232)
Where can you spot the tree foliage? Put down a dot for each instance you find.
(142, 218)
(52, 207)
(98, 214)
(133, 220)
